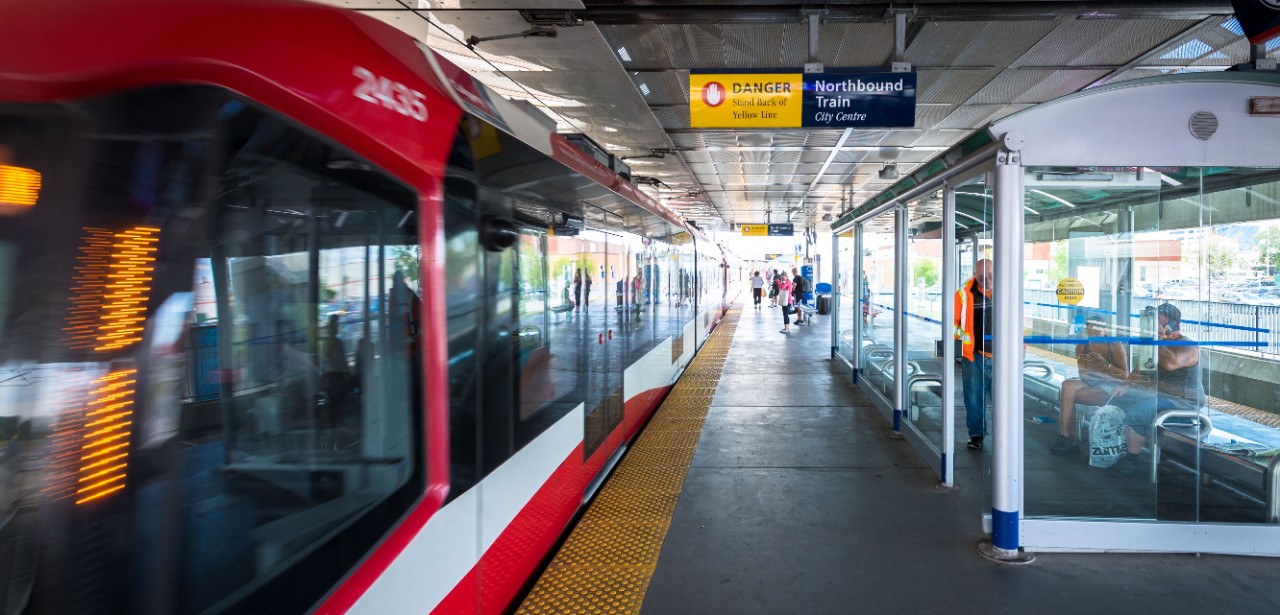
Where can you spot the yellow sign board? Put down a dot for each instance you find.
(1070, 291)
(748, 100)
(754, 230)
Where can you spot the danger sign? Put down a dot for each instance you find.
(1070, 291)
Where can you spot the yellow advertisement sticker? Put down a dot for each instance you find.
(749, 100)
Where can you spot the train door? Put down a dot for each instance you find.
(603, 337)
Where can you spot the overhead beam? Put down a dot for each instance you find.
(623, 12)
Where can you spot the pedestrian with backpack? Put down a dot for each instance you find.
(798, 284)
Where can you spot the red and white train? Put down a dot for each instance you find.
(283, 326)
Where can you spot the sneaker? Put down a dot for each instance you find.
(1065, 446)
(975, 443)
(783, 331)
(1130, 465)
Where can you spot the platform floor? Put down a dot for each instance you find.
(797, 502)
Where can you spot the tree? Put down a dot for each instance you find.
(925, 270)
(1219, 255)
(1268, 241)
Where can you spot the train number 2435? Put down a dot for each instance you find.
(390, 94)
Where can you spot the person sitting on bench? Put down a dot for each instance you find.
(1103, 366)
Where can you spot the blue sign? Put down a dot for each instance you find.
(781, 230)
(859, 100)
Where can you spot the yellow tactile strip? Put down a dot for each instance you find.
(606, 563)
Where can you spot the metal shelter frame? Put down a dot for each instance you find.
(1145, 122)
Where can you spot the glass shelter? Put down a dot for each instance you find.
(1109, 262)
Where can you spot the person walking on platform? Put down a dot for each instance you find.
(757, 288)
(973, 329)
(586, 291)
(797, 294)
(577, 290)
(784, 300)
(774, 288)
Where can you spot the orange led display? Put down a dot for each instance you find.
(19, 186)
(104, 451)
(87, 294)
(128, 283)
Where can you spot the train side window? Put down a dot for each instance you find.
(219, 312)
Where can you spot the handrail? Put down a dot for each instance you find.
(1204, 425)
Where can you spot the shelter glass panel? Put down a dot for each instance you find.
(1151, 366)
(923, 309)
(878, 346)
(848, 304)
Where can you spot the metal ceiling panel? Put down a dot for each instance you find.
(901, 138)
(939, 43)
(644, 44)
(696, 156)
(823, 137)
(929, 114)
(955, 86)
(1060, 83)
(1134, 39)
(1002, 43)
(864, 136)
(795, 45)
(695, 45)
(968, 117)
(1008, 85)
(865, 44)
(752, 45)
(688, 140)
(673, 117)
(847, 156)
(755, 138)
(720, 138)
(790, 138)
(665, 87)
(1070, 40)
(814, 156)
(721, 157)
(784, 157)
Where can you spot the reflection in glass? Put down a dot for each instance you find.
(878, 268)
(1164, 348)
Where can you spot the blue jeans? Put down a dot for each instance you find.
(976, 377)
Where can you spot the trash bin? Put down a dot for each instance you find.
(824, 298)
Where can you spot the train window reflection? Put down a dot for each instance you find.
(209, 350)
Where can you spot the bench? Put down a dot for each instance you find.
(807, 310)
(562, 309)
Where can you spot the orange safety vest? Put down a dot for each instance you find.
(964, 319)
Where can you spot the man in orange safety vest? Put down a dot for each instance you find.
(973, 329)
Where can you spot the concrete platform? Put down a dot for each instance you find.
(796, 502)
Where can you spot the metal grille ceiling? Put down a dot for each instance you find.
(624, 79)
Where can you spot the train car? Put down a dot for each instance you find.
(295, 316)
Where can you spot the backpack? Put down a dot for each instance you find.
(805, 285)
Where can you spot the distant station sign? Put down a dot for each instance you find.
(767, 230)
(851, 99)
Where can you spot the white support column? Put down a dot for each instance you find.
(899, 316)
(950, 251)
(1007, 350)
(858, 291)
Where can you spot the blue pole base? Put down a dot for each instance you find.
(1004, 556)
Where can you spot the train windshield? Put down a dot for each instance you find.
(210, 391)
